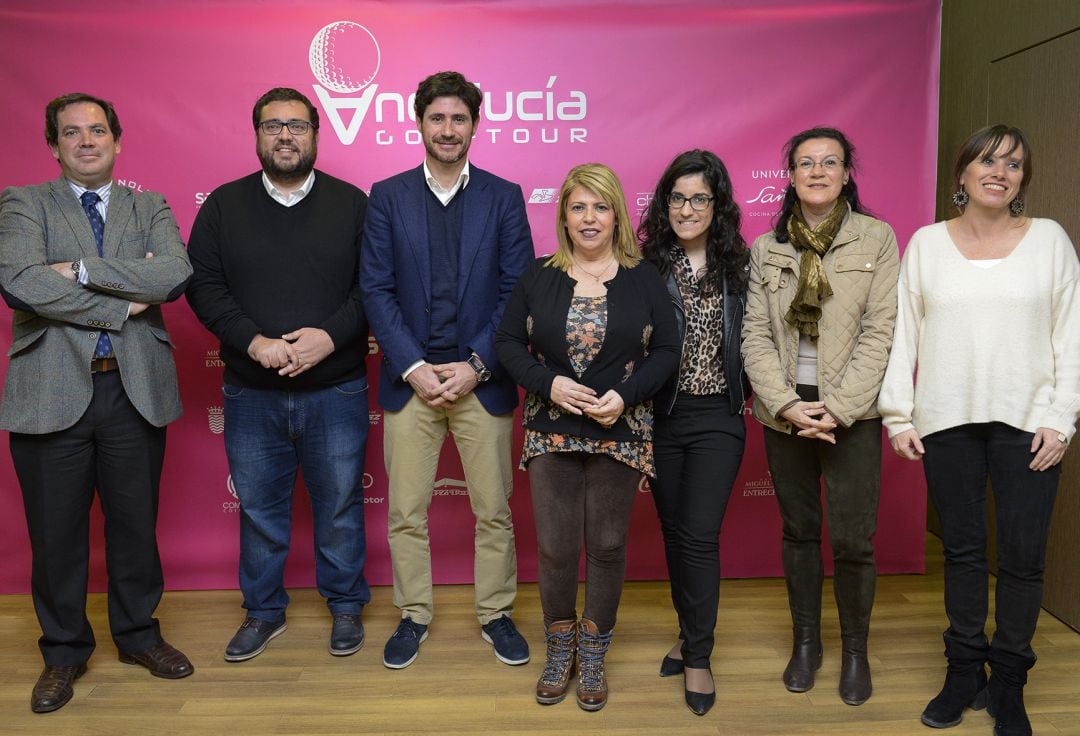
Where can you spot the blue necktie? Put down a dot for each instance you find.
(89, 203)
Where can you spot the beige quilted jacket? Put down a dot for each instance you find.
(856, 324)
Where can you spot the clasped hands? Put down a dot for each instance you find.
(579, 399)
(441, 384)
(292, 353)
(812, 419)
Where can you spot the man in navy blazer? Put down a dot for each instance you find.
(85, 264)
(444, 244)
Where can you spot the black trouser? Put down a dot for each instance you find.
(111, 448)
(698, 450)
(851, 470)
(957, 464)
(580, 496)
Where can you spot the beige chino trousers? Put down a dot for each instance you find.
(413, 439)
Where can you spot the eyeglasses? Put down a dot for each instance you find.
(698, 202)
(296, 127)
(830, 164)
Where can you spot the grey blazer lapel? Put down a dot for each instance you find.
(117, 221)
(76, 218)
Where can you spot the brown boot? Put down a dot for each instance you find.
(592, 689)
(561, 638)
(805, 659)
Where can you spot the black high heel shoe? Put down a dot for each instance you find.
(670, 666)
(699, 703)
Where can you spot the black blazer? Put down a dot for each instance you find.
(640, 350)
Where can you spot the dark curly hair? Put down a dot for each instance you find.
(850, 191)
(725, 250)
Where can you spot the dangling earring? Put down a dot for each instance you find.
(1016, 207)
(960, 197)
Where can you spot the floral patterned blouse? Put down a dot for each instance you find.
(701, 372)
(585, 327)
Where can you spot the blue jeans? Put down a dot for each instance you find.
(957, 464)
(268, 436)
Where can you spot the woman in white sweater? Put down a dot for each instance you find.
(989, 315)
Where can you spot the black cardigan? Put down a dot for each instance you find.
(640, 350)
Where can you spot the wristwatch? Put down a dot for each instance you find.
(482, 373)
(76, 266)
(1062, 438)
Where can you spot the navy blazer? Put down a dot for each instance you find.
(395, 277)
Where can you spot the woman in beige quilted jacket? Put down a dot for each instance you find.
(819, 321)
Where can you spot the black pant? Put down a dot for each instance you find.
(852, 472)
(698, 449)
(578, 496)
(957, 463)
(114, 449)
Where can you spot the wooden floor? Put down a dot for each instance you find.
(457, 686)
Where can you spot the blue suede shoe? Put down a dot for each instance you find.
(510, 646)
(401, 649)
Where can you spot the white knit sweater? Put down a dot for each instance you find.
(999, 344)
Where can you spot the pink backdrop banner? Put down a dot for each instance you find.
(628, 84)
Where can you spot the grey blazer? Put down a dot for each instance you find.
(56, 321)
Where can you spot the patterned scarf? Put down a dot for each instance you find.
(813, 289)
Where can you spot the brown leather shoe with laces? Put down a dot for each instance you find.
(163, 660)
(54, 687)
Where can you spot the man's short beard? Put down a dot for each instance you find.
(297, 173)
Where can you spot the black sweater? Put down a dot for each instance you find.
(639, 353)
(263, 268)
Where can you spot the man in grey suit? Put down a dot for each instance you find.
(90, 386)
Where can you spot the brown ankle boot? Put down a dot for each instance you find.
(561, 638)
(592, 689)
(805, 659)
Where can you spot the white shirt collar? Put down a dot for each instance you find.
(445, 195)
(290, 198)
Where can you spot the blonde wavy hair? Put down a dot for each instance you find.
(601, 181)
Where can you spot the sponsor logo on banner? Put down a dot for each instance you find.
(450, 487)
(345, 58)
(215, 417)
(132, 185)
(369, 481)
(213, 358)
(544, 196)
(641, 202)
(230, 506)
(643, 485)
(759, 486)
(769, 186)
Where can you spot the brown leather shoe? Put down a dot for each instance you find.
(164, 660)
(54, 687)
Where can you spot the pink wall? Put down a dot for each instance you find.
(629, 84)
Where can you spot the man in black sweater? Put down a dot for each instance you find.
(276, 258)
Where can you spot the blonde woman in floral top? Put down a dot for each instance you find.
(589, 332)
